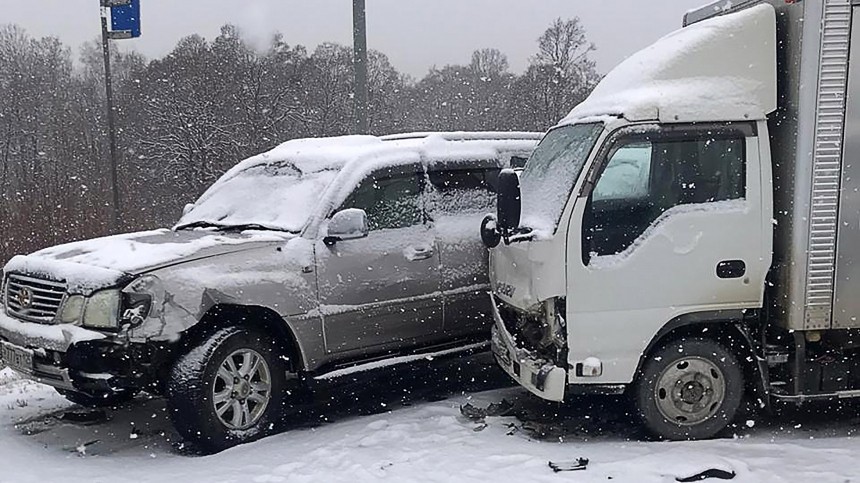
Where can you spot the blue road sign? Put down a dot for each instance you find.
(126, 18)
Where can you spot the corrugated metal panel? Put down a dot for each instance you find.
(827, 162)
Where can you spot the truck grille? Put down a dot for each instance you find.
(33, 299)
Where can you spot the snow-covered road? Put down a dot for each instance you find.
(420, 439)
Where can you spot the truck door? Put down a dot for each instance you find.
(673, 226)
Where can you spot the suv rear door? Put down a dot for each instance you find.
(461, 194)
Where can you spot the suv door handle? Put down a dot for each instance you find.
(415, 254)
(729, 269)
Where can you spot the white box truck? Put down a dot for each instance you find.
(690, 234)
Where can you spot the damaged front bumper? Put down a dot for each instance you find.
(539, 376)
(65, 357)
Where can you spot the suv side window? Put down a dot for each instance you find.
(391, 200)
(646, 175)
(464, 190)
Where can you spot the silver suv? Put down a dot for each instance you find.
(320, 258)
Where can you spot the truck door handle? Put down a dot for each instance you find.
(414, 254)
(729, 269)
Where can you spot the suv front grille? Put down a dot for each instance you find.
(33, 299)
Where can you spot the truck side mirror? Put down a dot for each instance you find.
(509, 206)
(349, 224)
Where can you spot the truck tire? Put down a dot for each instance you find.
(227, 390)
(100, 400)
(690, 389)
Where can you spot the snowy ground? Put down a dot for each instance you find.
(407, 429)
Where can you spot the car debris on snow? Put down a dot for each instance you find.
(711, 473)
(500, 409)
(575, 465)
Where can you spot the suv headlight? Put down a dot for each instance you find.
(73, 310)
(102, 310)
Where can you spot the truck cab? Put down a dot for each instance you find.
(684, 236)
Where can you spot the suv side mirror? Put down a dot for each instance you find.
(349, 224)
(509, 206)
(187, 208)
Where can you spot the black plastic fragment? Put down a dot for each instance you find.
(473, 413)
(504, 408)
(712, 473)
(576, 465)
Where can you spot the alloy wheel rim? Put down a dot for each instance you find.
(242, 389)
(690, 391)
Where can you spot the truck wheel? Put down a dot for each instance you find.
(100, 400)
(689, 389)
(228, 390)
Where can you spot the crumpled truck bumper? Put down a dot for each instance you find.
(542, 378)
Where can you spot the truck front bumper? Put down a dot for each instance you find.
(539, 376)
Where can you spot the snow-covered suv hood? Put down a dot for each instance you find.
(90, 265)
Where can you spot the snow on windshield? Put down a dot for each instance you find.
(276, 195)
(551, 173)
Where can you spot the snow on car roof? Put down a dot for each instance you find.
(333, 153)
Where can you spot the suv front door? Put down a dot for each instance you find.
(382, 292)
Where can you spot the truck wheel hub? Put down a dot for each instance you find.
(690, 390)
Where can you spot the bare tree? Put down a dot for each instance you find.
(489, 63)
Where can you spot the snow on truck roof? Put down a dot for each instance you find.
(719, 69)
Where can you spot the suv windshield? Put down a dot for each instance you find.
(552, 171)
(275, 196)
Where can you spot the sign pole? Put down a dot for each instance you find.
(359, 31)
(114, 176)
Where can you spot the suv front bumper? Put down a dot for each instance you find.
(64, 356)
(539, 376)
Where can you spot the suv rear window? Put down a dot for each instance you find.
(465, 190)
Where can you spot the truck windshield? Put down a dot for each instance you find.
(274, 196)
(551, 173)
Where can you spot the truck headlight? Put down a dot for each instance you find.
(142, 298)
(102, 310)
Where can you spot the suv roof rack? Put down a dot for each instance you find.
(466, 136)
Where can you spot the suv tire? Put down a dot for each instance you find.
(227, 390)
(690, 389)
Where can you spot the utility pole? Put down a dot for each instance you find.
(359, 31)
(124, 16)
(114, 175)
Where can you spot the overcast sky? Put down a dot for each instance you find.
(416, 34)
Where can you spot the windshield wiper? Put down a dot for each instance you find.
(230, 228)
(200, 224)
(250, 226)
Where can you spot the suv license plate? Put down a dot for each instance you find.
(17, 358)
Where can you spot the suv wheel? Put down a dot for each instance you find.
(228, 390)
(690, 389)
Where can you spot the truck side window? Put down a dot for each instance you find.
(646, 175)
(390, 201)
(464, 190)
